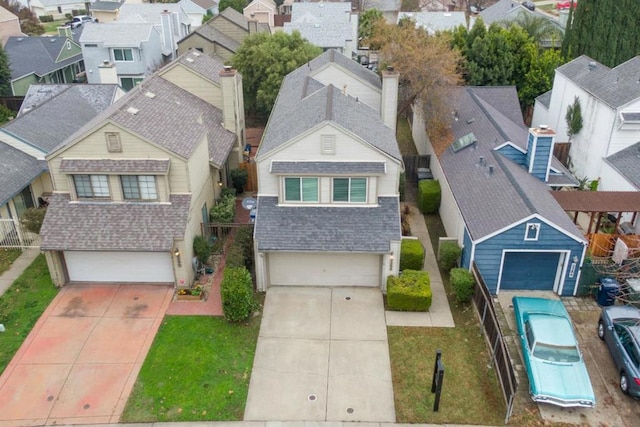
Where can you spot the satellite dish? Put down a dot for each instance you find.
(249, 203)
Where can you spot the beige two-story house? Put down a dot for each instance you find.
(132, 187)
(328, 171)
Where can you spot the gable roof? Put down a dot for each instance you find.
(17, 170)
(212, 34)
(118, 34)
(436, 21)
(206, 4)
(57, 111)
(503, 10)
(109, 226)
(232, 15)
(613, 86)
(322, 24)
(169, 116)
(107, 5)
(491, 201)
(627, 163)
(150, 12)
(39, 55)
(200, 63)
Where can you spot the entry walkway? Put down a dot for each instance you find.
(322, 355)
(439, 315)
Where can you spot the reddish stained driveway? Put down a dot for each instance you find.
(80, 361)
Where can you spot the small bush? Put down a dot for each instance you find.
(45, 18)
(202, 249)
(239, 178)
(236, 290)
(462, 282)
(411, 291)
(411, 254)
(32, 219)
(244, 239)
(6, 114)
(235, 257)
(449, 254)
(428, 197)
(227, 191)
(224, 211)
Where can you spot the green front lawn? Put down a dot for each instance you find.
(197, 369)
(52, 27)
(22, 305)
(470, 393)
(7, 256)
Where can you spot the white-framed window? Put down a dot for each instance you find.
(328, 144)
(300, 189)
(531, 231)
(123, 55)
(91, 186)
(139, 187)
(350, 190)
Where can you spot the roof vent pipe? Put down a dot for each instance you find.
(490, 169)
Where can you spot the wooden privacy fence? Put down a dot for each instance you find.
(412, 163)
(500, 358)
(602, 244)
(252, 175)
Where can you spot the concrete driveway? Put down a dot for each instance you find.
(322, 355)
(80, 361)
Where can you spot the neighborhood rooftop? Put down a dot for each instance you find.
(627, 162)
(16, 170)
(117, 34)
(37, 54)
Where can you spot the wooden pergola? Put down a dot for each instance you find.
(598, 204)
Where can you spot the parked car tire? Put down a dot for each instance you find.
(624, 383)
(601, 329)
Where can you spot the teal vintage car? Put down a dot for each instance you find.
(555, 367)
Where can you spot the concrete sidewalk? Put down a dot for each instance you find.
(19, 265)
(439, 315)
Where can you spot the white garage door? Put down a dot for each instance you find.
(145, 267)
(289, 269)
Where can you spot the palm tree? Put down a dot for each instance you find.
(543, 31)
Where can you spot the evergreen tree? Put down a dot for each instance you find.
(5, 74)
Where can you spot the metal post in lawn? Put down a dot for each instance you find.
(436, 383)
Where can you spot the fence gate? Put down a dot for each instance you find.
(411, 165)
(14, 235)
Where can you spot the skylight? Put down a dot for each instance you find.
(463, 142)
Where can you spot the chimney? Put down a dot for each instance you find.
(233, 109)
(65, 32)
(539, 151)
(167, 33)
(253, 26)
(389, 99)
(108, 73)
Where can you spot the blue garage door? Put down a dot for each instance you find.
(529, 270)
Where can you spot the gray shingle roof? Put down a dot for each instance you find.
(38, 94)
(204, 65)
(151, 12)
(613, 86)
(58, 2)
(50, 123)
(631, 116)
(436, 21)
(491, 201)
(45, 126)
(17, 170)
(29, 55)
(383, 5)
(106, 5)
(328, 104)
(332, 229)
(627, 163)
(322, 24)
(109, 226)
(328, 168)
(545, 98)
(172, 118)
(115, 165)
(117, 34)
(502, 10)
(234, 16)
(212, 34)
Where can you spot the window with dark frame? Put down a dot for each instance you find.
(91, 186)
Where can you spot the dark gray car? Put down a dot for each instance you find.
(619, 327)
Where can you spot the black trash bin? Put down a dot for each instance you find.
(608, 290)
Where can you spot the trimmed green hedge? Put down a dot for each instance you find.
(411, 254)
(411, 291)
(449, 254)
(236, 290)
(428, 196)
(463, 283)
(225, 210)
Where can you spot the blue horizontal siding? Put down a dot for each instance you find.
(513, 154)
(543, 149)
(465, 259)
(488, 254)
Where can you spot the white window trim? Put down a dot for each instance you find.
(366, 191)
(123, 55)
(299, 178)
(530, 227)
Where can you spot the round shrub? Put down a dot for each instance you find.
(428, 196)
(449, 254)
(236, 290)
(463, 283)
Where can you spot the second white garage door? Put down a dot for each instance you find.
(296, 269)
(132, 267)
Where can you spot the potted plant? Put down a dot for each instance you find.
(239, 178)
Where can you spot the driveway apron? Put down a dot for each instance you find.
(80, 361)
(322, 355)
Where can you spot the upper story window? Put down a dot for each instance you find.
(91, 186)
(123, 55)
(350, 190)
(532, 231)
(129, 83)
(301, 189)
(139, 187)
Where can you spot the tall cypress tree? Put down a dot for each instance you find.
(5, 74)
